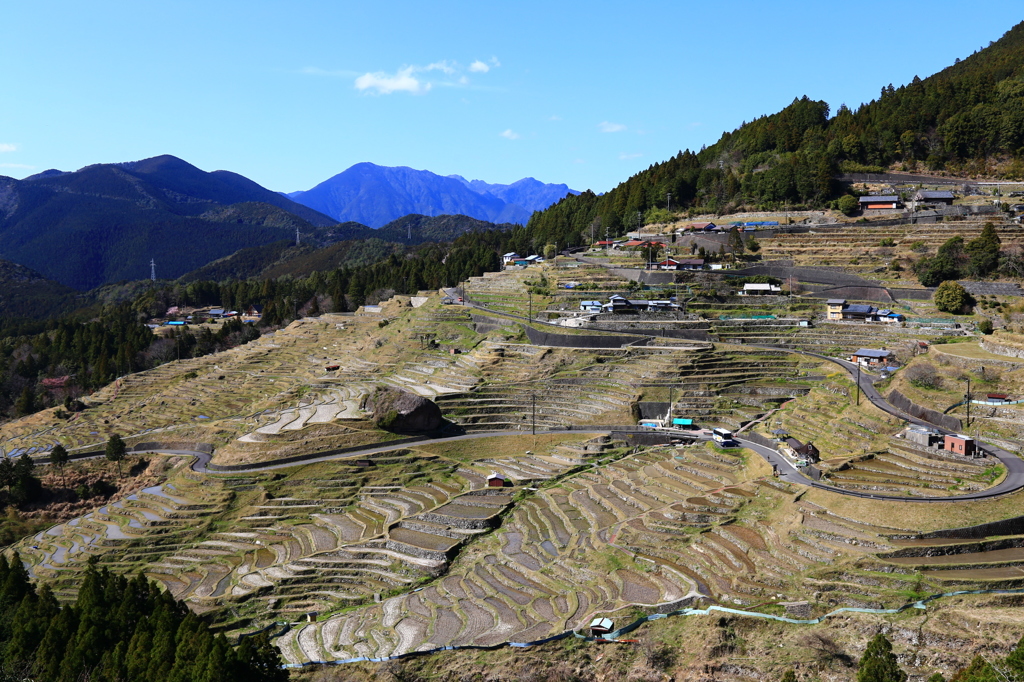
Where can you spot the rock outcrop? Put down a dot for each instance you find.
(402, 412)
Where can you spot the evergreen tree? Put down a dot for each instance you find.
(59, 457)
(116, 451)
(983, 252)
(879, 663)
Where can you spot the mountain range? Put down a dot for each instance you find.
(105, 222)
(377, 195)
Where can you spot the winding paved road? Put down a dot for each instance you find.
(1013, 481)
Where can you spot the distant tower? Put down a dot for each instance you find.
(409, 226)
(296, 235)
(152, 269)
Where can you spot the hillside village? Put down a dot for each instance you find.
(618, 441)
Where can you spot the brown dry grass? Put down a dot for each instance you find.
(918, 516)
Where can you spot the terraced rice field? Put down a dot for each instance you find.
(905, 470)
(858, 247)
(660, 527)
(828, 418)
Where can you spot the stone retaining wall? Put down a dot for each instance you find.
(1013, 526)
(457, 522)
(993, 346)
(411, 550)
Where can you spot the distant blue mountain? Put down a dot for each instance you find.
(376, 195)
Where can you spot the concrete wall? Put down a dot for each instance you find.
(543, 338)
(945, 421)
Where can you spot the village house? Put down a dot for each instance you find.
(960, 444)
(760, 290)
(590, 306)
(861, 312)
(834, 308)
(879, 202)
(802, 451)
(924, 436)
(934, 197)
(871, 358)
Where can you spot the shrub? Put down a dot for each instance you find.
(923, 376)
(888, 241)
(985, 326)
(951, 297)
(847, 204)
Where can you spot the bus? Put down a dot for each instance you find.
(721, 436)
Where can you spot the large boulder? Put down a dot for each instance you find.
(402, 412)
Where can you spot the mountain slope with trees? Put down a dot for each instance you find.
(104, 223)
(117, 629)
(968, 118)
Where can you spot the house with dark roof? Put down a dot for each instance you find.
(804, 451)
(934, 197)
(879, 201)
(861, 312)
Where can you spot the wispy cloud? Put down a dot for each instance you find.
(554, 117)
(624, 156)
(16, 165)
(414, 79)
(385, 84)
(4, 147)
(509, 134)
(607, 127)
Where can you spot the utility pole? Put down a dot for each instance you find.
(530, 292)
(968, 403)
(858, 383)
(668, 201)
(296, 236)
(668, 418)
(152, 270)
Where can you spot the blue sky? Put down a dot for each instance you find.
(289, 94)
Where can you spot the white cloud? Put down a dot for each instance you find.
(554, 117)
(509, 134)
(8, 147)
(626, 156)
(442, 66)
(385, 84)
(606, 127)
(412, 78)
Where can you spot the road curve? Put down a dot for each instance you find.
(1013, 481)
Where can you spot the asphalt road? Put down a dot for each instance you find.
(1013, 481)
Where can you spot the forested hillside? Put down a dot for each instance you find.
(104, 223)
(117, 629)
(968, 118)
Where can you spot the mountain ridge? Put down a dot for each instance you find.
(376, 195)
(106, 221)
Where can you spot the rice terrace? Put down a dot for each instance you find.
(277, 502)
